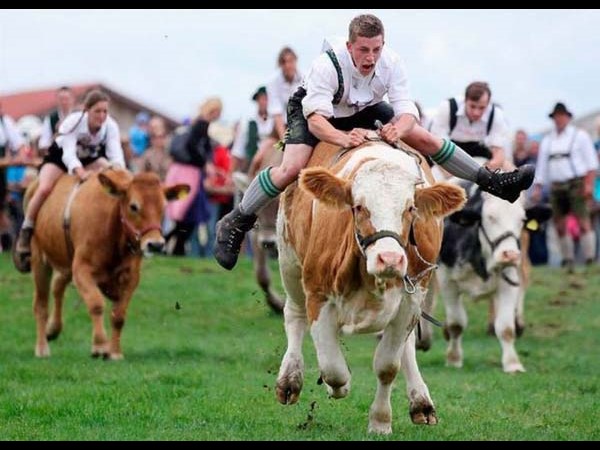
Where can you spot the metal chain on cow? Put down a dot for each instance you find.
(428, 265)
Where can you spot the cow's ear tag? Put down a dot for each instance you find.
(532, 225)
(182, 194)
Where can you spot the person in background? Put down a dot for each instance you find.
(567, 162)
(65, 103)
(189, 168)
(475, 124)
(252, 133)
(281, 87)
(12, 146)
(139, 138)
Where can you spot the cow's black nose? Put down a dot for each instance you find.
(156, 247)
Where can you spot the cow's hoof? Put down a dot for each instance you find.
(288, 389)
(423, 413)
(513, 367)
(454, 359)
(53, 331)
(339, 391)
(114, 356)
(42, 351)
(423, 344)
(377, 427)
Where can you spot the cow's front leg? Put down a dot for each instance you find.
(421, 407)
(386, 362)
(117, 321)
(291, 372)
(94, 300)
(334, 370)
(505, 304)
(456, 318)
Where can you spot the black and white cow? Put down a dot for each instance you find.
(481, 256)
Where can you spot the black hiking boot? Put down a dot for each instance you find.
(22, 250)
(230, 231)
(506, 185)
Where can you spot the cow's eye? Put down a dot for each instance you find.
(134, 207)
(358, 209)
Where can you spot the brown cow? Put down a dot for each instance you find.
(357, 245)
(96, 234)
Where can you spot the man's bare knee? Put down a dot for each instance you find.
(289, 172)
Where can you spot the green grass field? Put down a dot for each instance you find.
(206, 370)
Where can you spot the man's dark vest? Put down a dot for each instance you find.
(472, 148)
(54, 119)
(252, 143)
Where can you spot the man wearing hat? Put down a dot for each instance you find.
(252, 131)
(567, 162)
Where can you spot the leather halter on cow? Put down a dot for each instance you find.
(106, 224)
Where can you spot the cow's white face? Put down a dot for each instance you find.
(383, 200)
(502, 222)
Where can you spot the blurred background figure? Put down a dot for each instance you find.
(567, 162)
(156, 158)
(139, 138)
(475, 124)
(12, 148)
(281, 87)
(65, 103)
(191, 151)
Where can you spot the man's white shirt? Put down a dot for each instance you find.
(265, 128)
(9, 134)
(389, 77)
(467, 131)
(279, 90)
(582, 159)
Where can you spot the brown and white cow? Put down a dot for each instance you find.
(481, 257)
(95, 234)
(356, 247)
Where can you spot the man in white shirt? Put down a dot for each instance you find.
(567, 161)
(339, 101)
(65, 102)
(475, 124)
(252, 132)
(282, 86)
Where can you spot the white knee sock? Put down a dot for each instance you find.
(566, 248)
(588, 245)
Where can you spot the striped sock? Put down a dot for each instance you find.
(456, 161)
(260, 192)
(445, 153)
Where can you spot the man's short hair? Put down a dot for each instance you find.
(285, 51)
(476, 90)
(365, 25)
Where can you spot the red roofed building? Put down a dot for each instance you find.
(42, 102)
